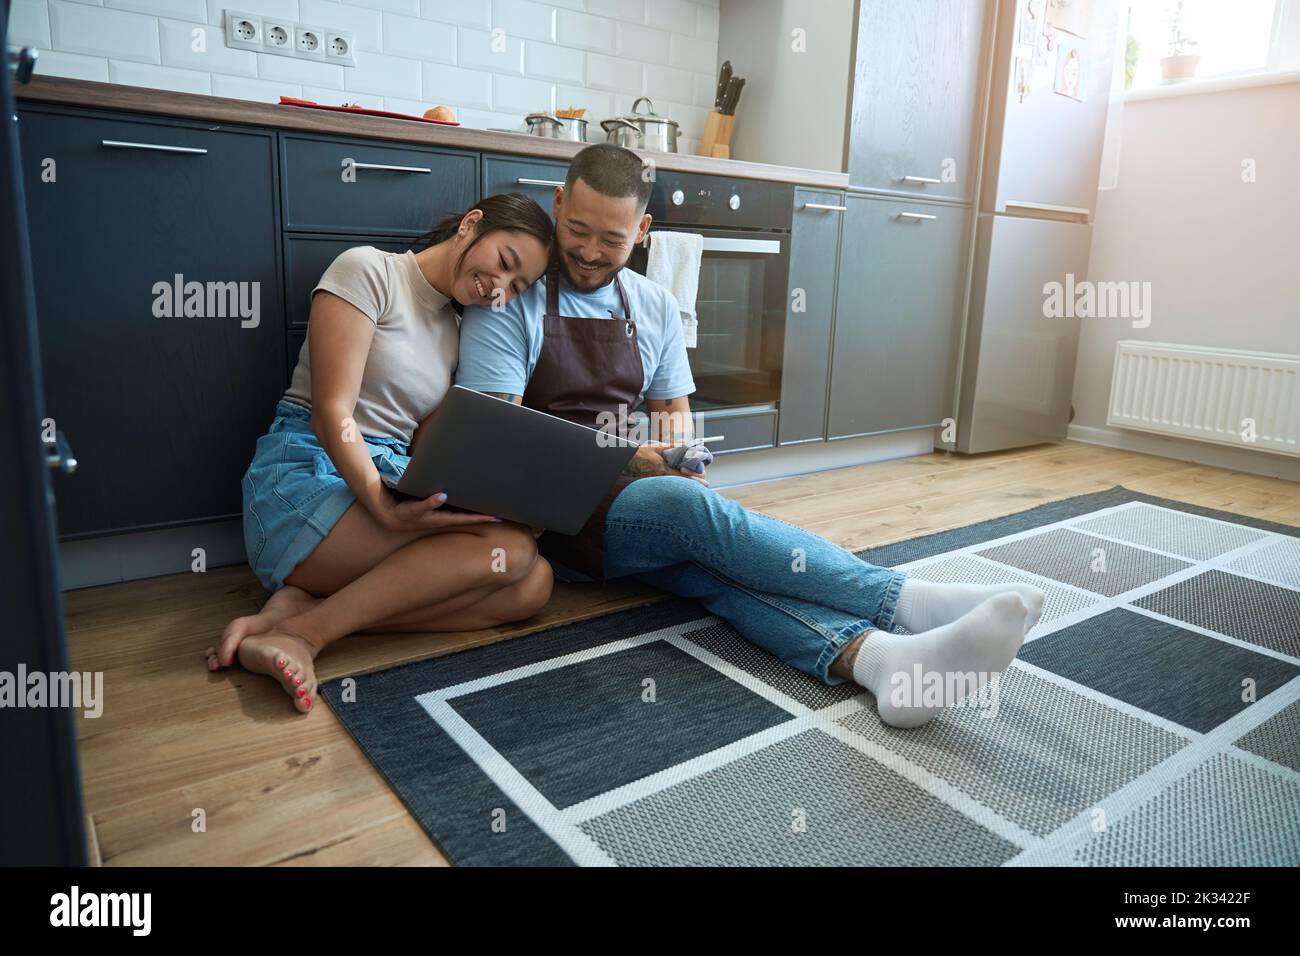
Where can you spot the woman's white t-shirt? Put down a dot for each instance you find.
(412, 356)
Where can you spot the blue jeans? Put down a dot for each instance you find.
(786, 589)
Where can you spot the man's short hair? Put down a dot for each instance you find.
(611, 171)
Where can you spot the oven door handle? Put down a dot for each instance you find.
(763, 247)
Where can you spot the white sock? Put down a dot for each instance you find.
(981, 643)
(925, 605)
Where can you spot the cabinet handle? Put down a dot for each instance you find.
(391, 169)
(820, 205)
(923, 180)
(916, 216)
(154, 147)
(538, 182)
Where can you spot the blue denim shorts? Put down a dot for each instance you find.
(293, 494)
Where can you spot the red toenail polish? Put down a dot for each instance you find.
(302, 691)
(288, 673)
(307, 700)
(281, 662)
(297, 680)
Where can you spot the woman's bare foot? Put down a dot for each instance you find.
(286, 656)
(284, 603)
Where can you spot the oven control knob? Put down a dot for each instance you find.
(679, 197)
(734, 201)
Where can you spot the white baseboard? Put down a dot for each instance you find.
(1256, 462)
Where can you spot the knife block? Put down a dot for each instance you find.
(716, 140)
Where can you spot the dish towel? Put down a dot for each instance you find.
(674, 263)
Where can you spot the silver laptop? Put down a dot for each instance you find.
(502, 459)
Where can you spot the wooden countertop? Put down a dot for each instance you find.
(195, 106)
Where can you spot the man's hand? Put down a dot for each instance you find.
(649, 460)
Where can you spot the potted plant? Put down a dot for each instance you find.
(1179, 64)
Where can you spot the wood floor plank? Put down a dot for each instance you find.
(284, 789)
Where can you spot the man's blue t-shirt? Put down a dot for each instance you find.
(499, 350)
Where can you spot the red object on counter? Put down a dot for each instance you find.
(294, 101)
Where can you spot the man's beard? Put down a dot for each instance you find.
(580, 281)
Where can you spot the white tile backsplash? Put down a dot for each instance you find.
(597, 54)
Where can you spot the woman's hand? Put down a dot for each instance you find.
(426, 515)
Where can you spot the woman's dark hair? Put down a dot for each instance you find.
(513, 211)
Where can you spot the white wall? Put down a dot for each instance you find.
(411, 54)
(793, 108)
(1222, 255)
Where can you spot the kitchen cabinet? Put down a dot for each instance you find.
(810, 314)
(899, 292)
(305, 260)
(352, 186)
(510, 174)
(162, 409)
(918, 76)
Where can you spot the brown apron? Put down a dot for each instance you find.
(587, 365)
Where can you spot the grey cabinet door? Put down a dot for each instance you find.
(916, 94)
(896, 314)
(509, 174)
(810, 314)
(163, 409)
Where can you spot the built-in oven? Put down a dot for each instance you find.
(741, 301)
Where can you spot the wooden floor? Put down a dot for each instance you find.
(286, 789)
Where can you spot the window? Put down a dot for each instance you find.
(1231, 37)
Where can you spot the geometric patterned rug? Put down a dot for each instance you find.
(1152, 718)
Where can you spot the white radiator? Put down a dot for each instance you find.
(1247, 399)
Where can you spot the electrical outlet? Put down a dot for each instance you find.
(277, 37)
(243, 30)
(310, 42)
(340, 49)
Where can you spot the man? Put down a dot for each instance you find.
(593, 339)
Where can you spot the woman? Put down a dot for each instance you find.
(339, 552)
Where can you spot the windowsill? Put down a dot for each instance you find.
(1216, 84)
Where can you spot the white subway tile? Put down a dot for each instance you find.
(706, 23)
(410, 107)
(411, 7)
(159, 77)
(263, 91)
(498, 52)
(419, 39)
(284, 9)
(29, 24)
(77, 28)
(613, 73)
(675, 15)
(599, 106)
(284, 69)
(518, 95)
(546, 61)
(570, 4)
(666, 83)
(582, 29)
(642, 43)
(338, 97)
(486, 119)
(690, 119)
(691, 53)
(705, 90)
(362, 24)
(523, 18)
(178, 49)
(73, 65)
(384, 75)
(470, 13)
(455, 85)
(632, 11)
(181, 9)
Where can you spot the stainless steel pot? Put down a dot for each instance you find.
(642, 130)
(550, 126)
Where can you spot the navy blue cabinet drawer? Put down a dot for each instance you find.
(740, 432)
(155, 252)
(358, 186)
(503, 174)
(305, 260)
